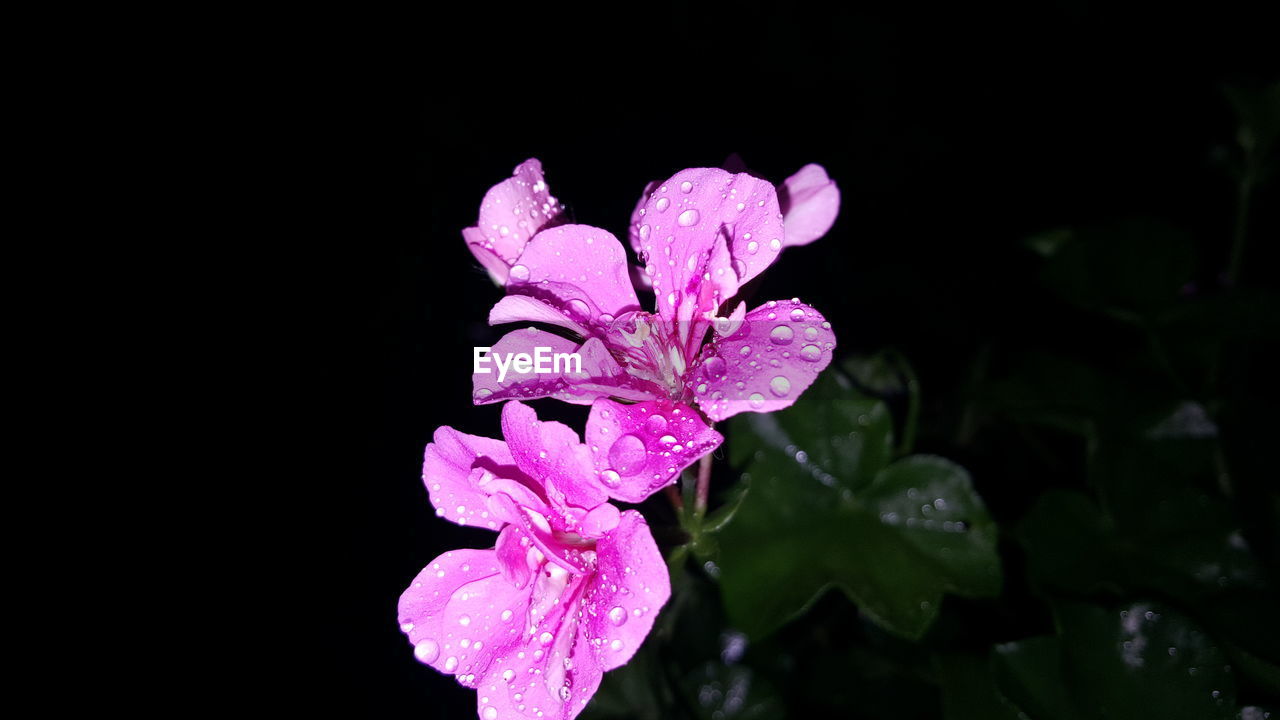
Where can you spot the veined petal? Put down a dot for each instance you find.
(522, 308)
(552, 452)
(551, 675)
(513, 211)
(684, 217)
(456, 468)
(486, 255)
(600, 376)
(638, 449)
(512, 553)
(622, 599)
(578, 268)
(764, 366)
(810, 202)
(460, 613)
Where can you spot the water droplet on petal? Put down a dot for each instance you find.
(780, 386)
(688, 217)
(775, 244)
(451, 664)
(753, 247)
(811, 353)
(781, 335)
(686, 187)
(628, 454)
(618, 615)
(427, 651)
(662, 204)
(545, 638)
(579, 309)
(610, 478)
(756, 400)
(797, 315)
(644, 232)
(616, 645)
(491, 712)
(715, 366)
(464, 620)
(519, 272)
(506, 616)
(811, 333)
(655, 424)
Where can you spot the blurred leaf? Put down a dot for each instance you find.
(1259, 113)
(724, 514)
(888, 376)
(1142, 661)
(969, 691)
(635, 691)
(825, 510)
(1047, 244)
(1129, 269)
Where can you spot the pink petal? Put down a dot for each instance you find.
(601, 374)
(552, 675)
(637, 216)
(460, 613)
(640, 448)
(512, 554)
(513, 211)
(455, 468)
(684, 217)
(810, 202)
(488, 257)
(522, 308)
(623, 598)
(578, 268)
(552, 452)
(764, 366)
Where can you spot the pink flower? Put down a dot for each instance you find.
(513, 211)
(569, 591)
(702, 235)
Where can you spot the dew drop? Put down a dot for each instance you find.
(688, 217)
(797, 315)
(686, 187)
(520, 272)
(464, 620)
(545, 638)
(655, 424)
(451, 664)
(627, 455)
(579, 309)
(781, 335)
(616, 645)
(753, 247)
(618, 616)
(491, 712)
(810, 353)
(662, 204)
(506, 616)
(509, 675)
(756, 400)
(427, 651)
(715, 366)
(775, 244)
(811, 333)
(610, 478)
(780, 386)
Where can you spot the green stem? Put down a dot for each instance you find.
(704, 485)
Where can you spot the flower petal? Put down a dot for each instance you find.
(637, 216)
(552, 675)
(640, 448)
(630, 585)
(460, 613)
(512, 212)
(581, 269)
(522, 308)
(455, 469)
(512, 554)
(688, 212)
(600, 376)
(488, 257)
(810, 202)
(552, 452)
(764, 366)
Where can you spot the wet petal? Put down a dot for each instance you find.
(637, 216)
(552, 452)
(552, 675)
(512, 554)
(637, 449)
(460, 613)
(579, 269)
(522, 308)
(486, 255)
(456, 469)
(810, 202)
(600, 375)
(630, 585)
(776, 353)
(684, 217)
(512, 212)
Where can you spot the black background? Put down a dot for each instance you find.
(953, 135)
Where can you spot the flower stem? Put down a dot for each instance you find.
(673, 495)
(704, 485)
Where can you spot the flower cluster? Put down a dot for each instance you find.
(572, 585)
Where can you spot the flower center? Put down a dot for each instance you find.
(650, 350)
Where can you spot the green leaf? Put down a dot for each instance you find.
(969, 691)
(1138, 661)
(824, 510)
(722, 516)
(732, 692)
